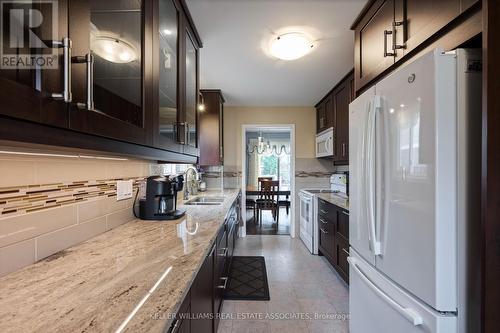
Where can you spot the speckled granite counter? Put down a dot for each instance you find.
(335, 199)
(99, 284)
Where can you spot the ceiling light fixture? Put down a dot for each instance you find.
(291, 46)
(114, 49)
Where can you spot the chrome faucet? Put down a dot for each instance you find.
(187, 190)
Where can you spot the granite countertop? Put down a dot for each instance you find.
(138, 272)
(333, 198)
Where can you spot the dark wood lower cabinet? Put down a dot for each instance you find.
(205, 298)
(202, 296)
(220, 272)
(342, 249)
(333, 225)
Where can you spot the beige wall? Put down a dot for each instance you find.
(304, 119)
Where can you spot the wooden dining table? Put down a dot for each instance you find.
(253, 190)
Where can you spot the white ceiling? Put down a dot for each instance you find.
(235, 33)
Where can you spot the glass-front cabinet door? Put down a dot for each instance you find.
(175, 69)
(167, 68)
(110, 75)
(32, 68)
(167, 100)
(191, 91)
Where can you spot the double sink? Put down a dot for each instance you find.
(205, 201)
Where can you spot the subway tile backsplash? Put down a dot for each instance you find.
(48, 204)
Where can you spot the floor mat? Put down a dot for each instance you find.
(247, 280)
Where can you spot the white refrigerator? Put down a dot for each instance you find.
(414, 145)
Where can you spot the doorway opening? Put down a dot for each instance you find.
(268, 161)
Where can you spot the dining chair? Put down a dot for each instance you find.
(268, 199)
(262, 179)
(252, 204)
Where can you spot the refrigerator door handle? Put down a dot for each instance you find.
(410, 314)
(370, 174)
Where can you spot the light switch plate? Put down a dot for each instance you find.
(123, 189)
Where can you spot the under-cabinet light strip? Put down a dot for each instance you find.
(62, 155)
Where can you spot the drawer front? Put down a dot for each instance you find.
(343, 223)
(326, 237)
(327, 211)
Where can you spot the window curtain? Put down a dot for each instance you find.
(253, 164)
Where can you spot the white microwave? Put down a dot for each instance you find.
(324, 143)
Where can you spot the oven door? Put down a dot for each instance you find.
(324, 143)
(306, 220)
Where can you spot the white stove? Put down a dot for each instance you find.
(309, 210)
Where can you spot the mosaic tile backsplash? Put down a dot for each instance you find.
(31, 198)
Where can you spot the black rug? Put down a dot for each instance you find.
(247, 280)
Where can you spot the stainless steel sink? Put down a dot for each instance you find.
(209, 201)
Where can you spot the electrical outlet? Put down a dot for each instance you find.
(123, 189)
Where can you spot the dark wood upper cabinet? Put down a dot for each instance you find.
(26, 93)
(320, 117)
(167, 99)
(210, 125)
(117, 34)
(387, 32)
(191, 91)
(419, 19)
(325, 114)
(333, 111)
(132, 77)
(373, 42)
(341, 100)
(175, 79)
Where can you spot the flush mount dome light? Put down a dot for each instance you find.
(114, 49)
(291, 46)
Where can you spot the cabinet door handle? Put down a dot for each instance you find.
(345, 213)
(89, 62)
(224, 252)
(175, 328)
(322, 221)
(387, 54)
(323, 211)
(345, 251)
(182, 141)
(343, 149)
(223, 286)
(395, 24)
(211, 251)
(323, 230)
(66, 45)
(88, 59)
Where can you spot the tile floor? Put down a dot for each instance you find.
(301, 285)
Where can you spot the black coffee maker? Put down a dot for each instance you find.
(160, 199)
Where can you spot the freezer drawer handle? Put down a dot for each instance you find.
(408, 313)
